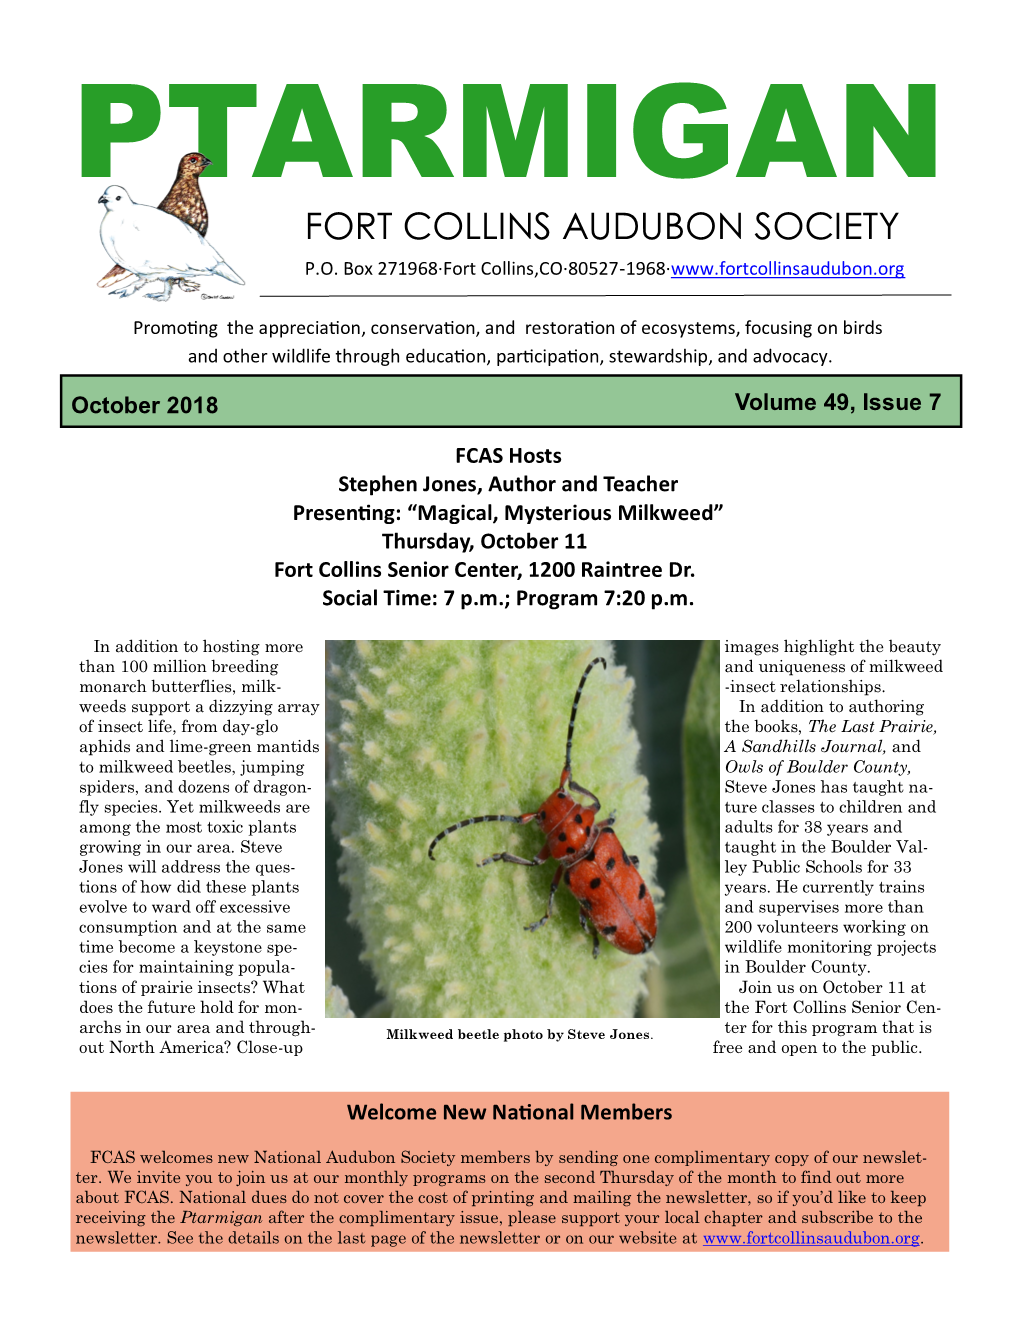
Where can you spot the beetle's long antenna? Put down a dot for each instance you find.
(573, 710)
(476, 820)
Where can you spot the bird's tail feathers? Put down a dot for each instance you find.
(113, 277)
(221, 268)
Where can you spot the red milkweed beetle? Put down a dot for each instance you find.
(600, 875)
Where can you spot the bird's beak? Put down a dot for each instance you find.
(101, 200)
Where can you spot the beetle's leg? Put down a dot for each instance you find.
(575, 787)
(543, 856)
(509, 857)
(552, 894)
(590, 931)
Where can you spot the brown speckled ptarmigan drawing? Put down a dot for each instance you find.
(185, 201)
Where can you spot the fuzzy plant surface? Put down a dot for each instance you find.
(336, 1001)
(701, 804)
(424, 734)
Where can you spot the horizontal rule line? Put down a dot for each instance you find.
(605, 295)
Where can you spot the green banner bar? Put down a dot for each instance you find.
(510, 401)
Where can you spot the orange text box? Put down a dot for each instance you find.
(662, 1171)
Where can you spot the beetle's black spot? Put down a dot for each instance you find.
(641, 893)
(611, 864)
(578, 820)
(587, 831)
(607, 829)
(571, 850)
(541, 815)
(608, 930)
(562, 838)
(596, 882)
(561, 795)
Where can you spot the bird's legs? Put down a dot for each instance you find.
(161, 297)
(128, 289)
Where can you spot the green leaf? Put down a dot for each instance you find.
(423, 735)
(336, 1001)
(684, 982)
(701, 806)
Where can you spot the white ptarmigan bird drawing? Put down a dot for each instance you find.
(185, 201)
(154, 245)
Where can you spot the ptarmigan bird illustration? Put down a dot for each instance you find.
(153, 245)
(185, 201)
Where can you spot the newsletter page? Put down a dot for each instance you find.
(508, 531)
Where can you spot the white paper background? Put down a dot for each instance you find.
(173, 535)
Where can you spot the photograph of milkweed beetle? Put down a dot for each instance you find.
(457, 770)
